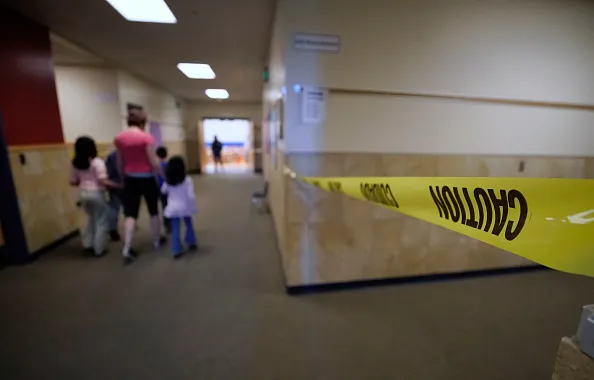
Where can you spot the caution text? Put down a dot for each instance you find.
(482, 209)
(378, 193)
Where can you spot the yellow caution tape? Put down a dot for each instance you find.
(548, 221)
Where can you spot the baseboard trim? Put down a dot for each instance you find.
(352, 285)
(51, 246)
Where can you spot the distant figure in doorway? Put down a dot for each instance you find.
(162, 154)
(139, 168)
(181, 204)
(89, 174)
(217, 153)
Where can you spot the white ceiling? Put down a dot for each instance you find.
(230, 35)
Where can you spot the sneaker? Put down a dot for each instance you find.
(89, 250)
(158, 243)
(192, 248)
(114, 235)
(102, 253)
(177, 255)
(129, 256)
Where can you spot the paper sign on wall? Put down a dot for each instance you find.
(328, 43)
(313, 105)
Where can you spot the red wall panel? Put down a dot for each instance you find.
(28, 98)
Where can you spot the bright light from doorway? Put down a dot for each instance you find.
(196, 70)
(155, 11)
(217, 93)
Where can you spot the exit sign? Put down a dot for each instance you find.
(265, 75)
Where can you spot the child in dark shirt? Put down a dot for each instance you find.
(115, 199)
(162, 154)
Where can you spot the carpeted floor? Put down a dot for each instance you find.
(223, 314)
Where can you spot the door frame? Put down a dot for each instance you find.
(14, 250)
(200, 139)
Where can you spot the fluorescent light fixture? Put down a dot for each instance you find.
(196, 70)
(217, 93)
(155, 11)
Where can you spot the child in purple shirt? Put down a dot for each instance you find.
(162, 155)
(181, 204)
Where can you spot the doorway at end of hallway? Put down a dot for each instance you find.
(236, 137)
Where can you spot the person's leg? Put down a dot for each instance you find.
(150, 191)
(88, 232)
(131, 202)
(114, 204)
(190, 238)
(176, 246)
(101, 216)
(166, 221)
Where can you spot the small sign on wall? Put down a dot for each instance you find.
(325, 43)
(313, 105)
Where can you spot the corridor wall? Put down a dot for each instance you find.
(93, 101)
(161, 106)
(274, 120)
(89, 102)
(425, 88)
(33, 131)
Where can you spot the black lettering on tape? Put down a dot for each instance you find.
(510, 232)
(471, 222)
(451, 203)
(462, 209)
(485, 211)
(391, 197)
(501, 209)
(493, 209)
(381, 194)
(335, 186)
(441, 206)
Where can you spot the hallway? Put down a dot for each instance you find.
(223, 314)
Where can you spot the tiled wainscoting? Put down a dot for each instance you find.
(46, 201)
(329, 238)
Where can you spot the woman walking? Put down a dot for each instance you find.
(138, 167)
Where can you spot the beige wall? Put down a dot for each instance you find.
(537, 50)
(272, 98)
(89, 102)
(93, 100)
(424, 88)
(160, 105)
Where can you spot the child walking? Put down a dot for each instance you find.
(115, 197)
(162, 155)
(89, 174)
(181, 204)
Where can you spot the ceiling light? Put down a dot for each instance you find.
(196, 70)
(217, 93)
(155, 11)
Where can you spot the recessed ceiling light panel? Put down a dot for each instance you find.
(196, 70)
(155, 11)
(217, 93)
